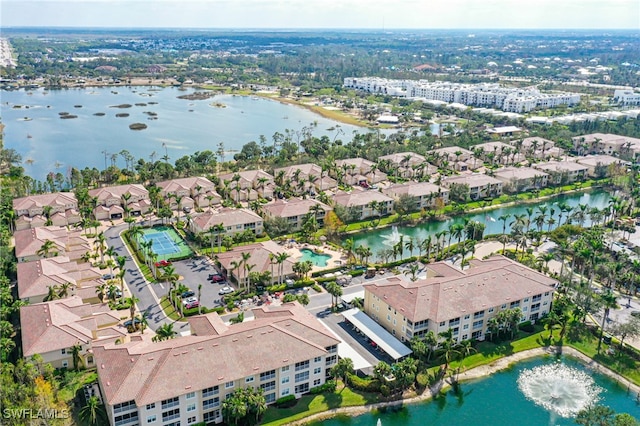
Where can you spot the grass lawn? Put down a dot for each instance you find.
(312, 404)
(72, 381)
(169, 310)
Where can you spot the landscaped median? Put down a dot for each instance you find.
(490, 358)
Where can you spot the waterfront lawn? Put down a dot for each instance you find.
(312, 404)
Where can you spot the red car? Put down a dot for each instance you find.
(162, 263)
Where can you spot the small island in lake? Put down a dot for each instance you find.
(197, 96)
(137, 126)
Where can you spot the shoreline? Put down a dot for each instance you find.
(479, 372)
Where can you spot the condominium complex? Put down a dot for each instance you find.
(461, 300)
(485, 94)
(284, 351)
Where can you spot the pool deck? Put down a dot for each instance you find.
(335, 261)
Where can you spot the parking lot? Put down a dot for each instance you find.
(196, 271)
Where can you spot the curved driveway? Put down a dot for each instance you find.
(148, 294)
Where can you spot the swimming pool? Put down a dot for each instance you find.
(318, 259)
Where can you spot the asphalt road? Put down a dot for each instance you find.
(148, 294)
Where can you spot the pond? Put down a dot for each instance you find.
(385, 238)
(495, 400)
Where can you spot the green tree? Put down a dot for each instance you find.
(164, 332)
(342, 369)
(93, 413)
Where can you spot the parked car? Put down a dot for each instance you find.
(187, 294)
(216, 278)
(225, 290)
(117, 292)
(162, 263)
(108, 276)
(190, 302)
(129, 323)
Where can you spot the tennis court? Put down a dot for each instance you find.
(166, 243)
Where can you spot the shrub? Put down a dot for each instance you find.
(422, 380)
(399, 262)
(527, 326)
(317, 288)
(326, 271)
(286, 401)
(276, 288)
(356, 272)
(329, 386)
(366, 385)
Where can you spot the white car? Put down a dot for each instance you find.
(226, 290)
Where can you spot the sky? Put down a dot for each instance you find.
(312, 14)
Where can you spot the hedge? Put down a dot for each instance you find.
(365, 385)
(399, 262)
(326, 271)
(286, 401)
(329, 386)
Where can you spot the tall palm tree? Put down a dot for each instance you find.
(131, 301)
(75, 354)
(609, 302)
(281, 258)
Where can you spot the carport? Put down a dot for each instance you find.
(378, 335)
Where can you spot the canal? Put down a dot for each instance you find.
(386, 238)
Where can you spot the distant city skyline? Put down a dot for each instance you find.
(318, 14)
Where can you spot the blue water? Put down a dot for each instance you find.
(36, 131)
(317, 259)
(494, 401)
(380, 239)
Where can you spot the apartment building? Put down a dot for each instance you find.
(29, 243)
(457, 159)
(518, 179)
(263, 258)
(358, 171)
(498, 153)
(462, 301)
(234, 221)
(248, 185)
(480, 185)
(425, 195)
(563, 172)
(112, 202)
(296, 210)
(305, 178)
(367, 203)
(191, 192)
(284, 351)
(51, 329)
(407, 165)
(57, 209)
(593, 162)
(607, 144)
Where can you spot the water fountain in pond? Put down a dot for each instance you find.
(393, 238)
(562, 390)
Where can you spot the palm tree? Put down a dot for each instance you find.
(280, 259)
(609, 302)
(93, 413)
(75, 354)
(63, 290)
(47, 247)
(335, 291)
(131, 301)
(164, 332)
(101, 290)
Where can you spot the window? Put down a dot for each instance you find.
(210, 403)
(124, 406)
(330, 360)
(269, 386)
(317, 359)
(535, 307)
(316, 382)
(536, 298)
(211, 416)
(285, 380)
(210, 391)
(285, 369)
(171, 402)
(303, 388)
(191, 395)
(317, 370)
(453, 322)
(514, 304)
(267, 375)
(269, 398)
(442, 324)
(302, 365)
(191, 420)
(151, 419)
(65, 364)
(64, 351)
(388, 317)
(229, 385)
(526, 299)
(285, 392)
(301, 377)
(491, 310)
(464, 336)
(503, 306)
(477, 324)
(151, 406)
(465, 327)
(170, 415)
(478, 315)
(249, 379)
(191, 407)
(126, 418)
(467, 316)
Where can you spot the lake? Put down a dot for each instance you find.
(47, 143)
(385, 238)
(494, 401)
